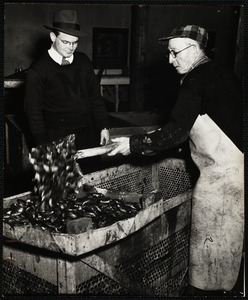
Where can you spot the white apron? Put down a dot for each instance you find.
(216, 242)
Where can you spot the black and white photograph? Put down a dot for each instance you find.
(123, 150)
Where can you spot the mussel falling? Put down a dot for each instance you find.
(55, 200)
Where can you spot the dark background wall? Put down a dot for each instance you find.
(155, 84)
(26, 38)
(220, 21)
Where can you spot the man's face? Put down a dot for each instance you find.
(64, 44)
(183, 60)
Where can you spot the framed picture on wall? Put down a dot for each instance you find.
(110, 48)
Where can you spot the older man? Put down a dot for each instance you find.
(208, 112)
(62, 92)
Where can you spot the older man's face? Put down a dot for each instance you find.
(183, 60)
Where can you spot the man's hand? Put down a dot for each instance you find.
(122, 147)
(105, 137)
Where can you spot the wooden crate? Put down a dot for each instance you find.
(143, 255)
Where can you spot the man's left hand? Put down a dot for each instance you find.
(122, 146)
(105, 137)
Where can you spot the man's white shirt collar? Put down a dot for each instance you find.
(57, 57)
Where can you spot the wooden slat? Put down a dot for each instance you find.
(66, 272)
(90, 152)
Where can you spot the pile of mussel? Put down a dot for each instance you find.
(56, 173)
(103, 211)
(55, 199)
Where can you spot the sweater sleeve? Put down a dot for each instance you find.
(33, 105)
(177, 130)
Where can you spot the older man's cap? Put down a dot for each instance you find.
(66, 21)
(193, 32)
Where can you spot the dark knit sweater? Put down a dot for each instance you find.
(207, 89)
(63, 96)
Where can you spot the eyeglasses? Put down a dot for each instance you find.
(175, 53)
(74, 44)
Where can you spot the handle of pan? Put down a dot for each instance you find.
(90, 152)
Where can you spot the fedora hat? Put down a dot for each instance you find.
(66, 21)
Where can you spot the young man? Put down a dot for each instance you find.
(62, 92)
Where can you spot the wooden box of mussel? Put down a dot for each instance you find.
(143, 254)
